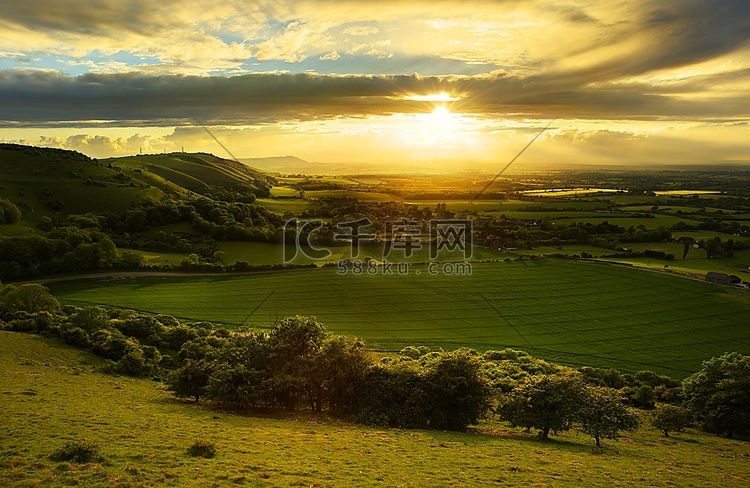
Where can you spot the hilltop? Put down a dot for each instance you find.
(47, 182)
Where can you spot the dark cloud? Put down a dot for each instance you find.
(670, 34)
(47, 98)
(99, 17)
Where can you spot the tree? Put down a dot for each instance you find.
(235, 386)
(190, 380)
(295, 343)
(393, 395)
(669, 418)
(548, 403)
(9, 213)
(719, 394)
(31, 298)
(458, 395)
(342, 364)
(91, 319)
(603, 414)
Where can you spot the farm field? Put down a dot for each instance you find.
(259, 253)
(52, 396)
(564, 311)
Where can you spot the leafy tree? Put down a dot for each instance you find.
(670, 418)
(9, 213)
(31, 298)
(110, 344)
(76, 336)
(458, 394)
(140, 326)
(644, 397)
(138, 361)
(548, 403)
(91, 319)
(393, 395)
(603, 414)
(719, 394)
(235, 386)
(190, 380)
(295, 343)
(342, 364)
(131, 260)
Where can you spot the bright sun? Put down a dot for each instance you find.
(441, 115)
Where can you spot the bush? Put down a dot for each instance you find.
(77, 452)
(669, 418)
(76, 337)
(202, 449)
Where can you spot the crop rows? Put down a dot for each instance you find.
(575, 313)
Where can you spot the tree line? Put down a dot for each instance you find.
(296, 364)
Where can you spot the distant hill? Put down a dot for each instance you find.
(47, 182)
(196, 172)
(280, 164)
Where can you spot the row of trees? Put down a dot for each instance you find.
(297, 364)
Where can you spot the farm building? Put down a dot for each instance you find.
(722, 279)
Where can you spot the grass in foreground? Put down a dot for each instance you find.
(51, 397)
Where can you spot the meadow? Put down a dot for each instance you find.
(52, 395)
(564, 311)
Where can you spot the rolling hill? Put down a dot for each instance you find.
(47, 182)
(52, 395)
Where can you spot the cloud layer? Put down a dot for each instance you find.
(177, 63)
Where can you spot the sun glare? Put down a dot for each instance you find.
(434, 97)
(441, 115)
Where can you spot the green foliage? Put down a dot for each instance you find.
(237, 386)
(719, 395)
(341, 365)
(393, 396)
(298, 450)
(30, 297)
(457, 394)
(202, 449)
(549, 403)
(670, 418)
(295, 344)
(603, 414)
(76, 336)
(110, 344)
(91, 319)
(81, 452)
(190, 380)
(138, 361)
(9, 213)
(643, 397)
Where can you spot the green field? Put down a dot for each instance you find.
(564, 311)
(51, 396)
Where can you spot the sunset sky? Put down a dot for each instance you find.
(435, 82)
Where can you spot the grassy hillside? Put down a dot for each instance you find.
(51, 396)
(190, 172)
(569, 312)
(49, 182)
(44, 182)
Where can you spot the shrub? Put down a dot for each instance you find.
(77, 452)
(76, 337)
(669, 418)
(202, 449)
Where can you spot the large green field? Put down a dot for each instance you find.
(51, 396)
(565, 311)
